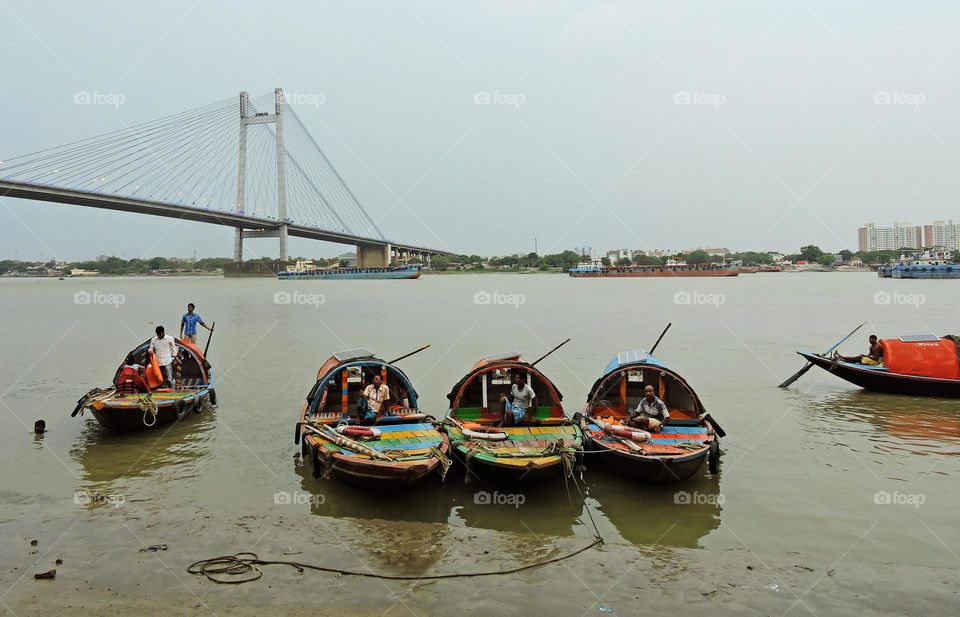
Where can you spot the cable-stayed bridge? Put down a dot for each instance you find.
(252, 166)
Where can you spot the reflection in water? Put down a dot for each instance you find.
(675, 514)
(893, 423)
(106, 457)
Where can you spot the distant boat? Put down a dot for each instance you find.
(918, 365)
(412, 271)
(931, 264)
(671, 268)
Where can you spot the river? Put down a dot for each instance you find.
(827, 495)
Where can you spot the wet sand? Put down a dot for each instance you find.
(104, 571)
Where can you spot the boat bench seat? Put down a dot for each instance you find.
(544, 415)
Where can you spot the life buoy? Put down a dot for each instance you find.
(486, 433)
(363, 432)
(627, 433)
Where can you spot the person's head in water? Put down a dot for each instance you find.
(39, 427)
(159, 331)
(648, 391)
(190, 308)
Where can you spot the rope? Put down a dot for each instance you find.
(146, 404)
(248, 564)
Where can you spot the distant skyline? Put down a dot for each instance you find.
(475, 128)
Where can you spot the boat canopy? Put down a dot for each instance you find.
(622, 384)
(190, 367)
(921, 355)
(477, 395)
(340, 382)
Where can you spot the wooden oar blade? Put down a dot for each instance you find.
(797, 375)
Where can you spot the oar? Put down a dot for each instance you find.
(213, 326)
(652, 349)
(809, 365)
(550, 352)
(394, 361)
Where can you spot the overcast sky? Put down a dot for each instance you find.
(749, 125)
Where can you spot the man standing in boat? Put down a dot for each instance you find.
(521, 399)
(651, 413)
(373, 401)
(874, 356)
(188, 324)
(165, 349)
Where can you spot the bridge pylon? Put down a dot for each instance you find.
(249, 117)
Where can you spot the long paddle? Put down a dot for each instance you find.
(395, 360)
(652, 349)
(809, 365)
(213, 327)
(550, 352)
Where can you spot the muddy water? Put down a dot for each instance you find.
(827, 492)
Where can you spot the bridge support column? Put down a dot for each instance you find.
(373, 255)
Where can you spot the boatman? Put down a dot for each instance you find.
(651, 413)
(188, 324)
(165, 349)
(874, 356)
(521, 399)
(373, 400)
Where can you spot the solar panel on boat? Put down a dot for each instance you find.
(353, 354)
(919, 338)
(501, 356)
(629, 357)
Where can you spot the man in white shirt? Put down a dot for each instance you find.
(522, 399)
(165, 349)
(373, 400)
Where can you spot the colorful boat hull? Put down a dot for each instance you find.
(349, 274)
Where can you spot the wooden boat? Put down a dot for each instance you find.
(400, 449)
(917, 365)
(126, 406)
(682, 445)
(542, 447)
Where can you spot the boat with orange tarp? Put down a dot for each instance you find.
(135, 400)
(677, 450)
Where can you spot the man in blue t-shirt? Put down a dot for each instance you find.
(188, 325)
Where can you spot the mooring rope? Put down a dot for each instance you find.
(146, 404)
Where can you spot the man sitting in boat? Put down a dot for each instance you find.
(650, 413)
(373, 401)
(521, 399)
(873, 358)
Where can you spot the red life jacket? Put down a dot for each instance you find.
(129, 381)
